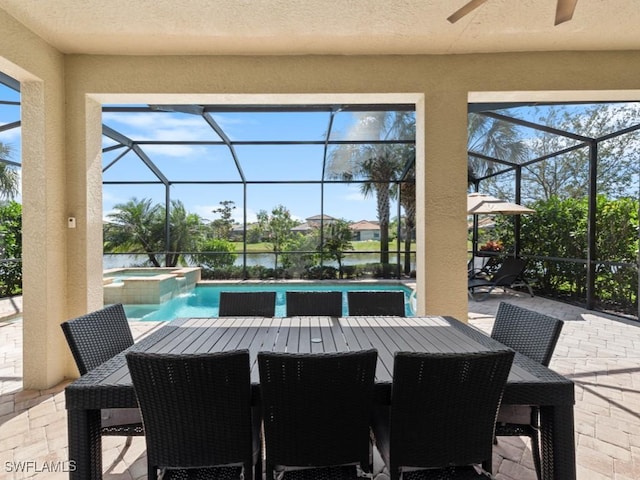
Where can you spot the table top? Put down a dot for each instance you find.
(109, 385)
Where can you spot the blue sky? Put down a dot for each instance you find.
(213, 163)
(259, 163)
(271, 163)
(10, 114)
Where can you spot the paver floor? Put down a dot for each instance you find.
(600, 353)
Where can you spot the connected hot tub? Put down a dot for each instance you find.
(147, 285)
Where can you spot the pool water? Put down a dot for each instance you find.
(203, 300)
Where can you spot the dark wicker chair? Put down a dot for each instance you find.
(376, 303)
(197, 416)
(316, 412)
(483, 267)
(253, 304)
(441, 420)
(509, 274)
(314, 303)
(534, 335)
(93, 339)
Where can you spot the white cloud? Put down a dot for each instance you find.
(204, 211)
(178, 151)
(11, 137)
(158, 126)
(251, 217)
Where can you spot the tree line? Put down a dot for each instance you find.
(138, 226)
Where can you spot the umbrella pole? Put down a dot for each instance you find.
(474, 240)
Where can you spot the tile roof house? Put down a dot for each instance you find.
(365, 230)
(313, 222)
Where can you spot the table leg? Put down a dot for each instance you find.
(85, 444)
(557, 438)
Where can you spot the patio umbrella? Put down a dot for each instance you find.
(483, 204)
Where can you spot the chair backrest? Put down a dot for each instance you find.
(483, 266)
(317, 407)
(509, 271)
(97, 336)
(476, 263)
(444, 407)
(254, 304)
(376, 303)
(314, 303)
(531, 333)
(196, 408)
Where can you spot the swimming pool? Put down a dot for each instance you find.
(203, 300)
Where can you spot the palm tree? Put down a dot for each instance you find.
(133, 226)
(493, 138)
(140, 225)
(9, 176)
(379, 164)
(408, 202)
(184, 232)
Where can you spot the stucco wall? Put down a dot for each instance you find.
(63, 267)
(39, 68)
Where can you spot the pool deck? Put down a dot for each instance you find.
(600, 353)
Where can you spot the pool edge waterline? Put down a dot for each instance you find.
(202, 300)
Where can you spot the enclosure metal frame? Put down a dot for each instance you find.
(584, 142)
(485, 109)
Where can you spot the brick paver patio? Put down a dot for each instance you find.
(600, 353)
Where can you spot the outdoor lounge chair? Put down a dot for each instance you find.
(93, 339)
(534, 335)
(483, 267)
(197, 415)
(441, 420)
(508, 275)
(314, 303)
(254, 304)
(376, 303)
(316, 412)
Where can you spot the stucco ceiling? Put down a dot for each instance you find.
(281, 27)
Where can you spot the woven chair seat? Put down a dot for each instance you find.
(376, 303)
(94, 338)
(326, 473)
(451, 473)
(316, 412)
(252, 304)
(534, 335)
(197, 414)
(314, 303)
(213, 473)
(431, 431)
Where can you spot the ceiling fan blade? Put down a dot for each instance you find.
(564, 10)
(467, 8)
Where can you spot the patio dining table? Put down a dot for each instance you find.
(529, 383)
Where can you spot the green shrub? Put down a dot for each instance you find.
(215, 253)
(10, 249)
(558, 230)
(320, 273)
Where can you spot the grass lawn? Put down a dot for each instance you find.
(364, 246)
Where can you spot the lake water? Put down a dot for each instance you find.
(266, 259)
(203, 300)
